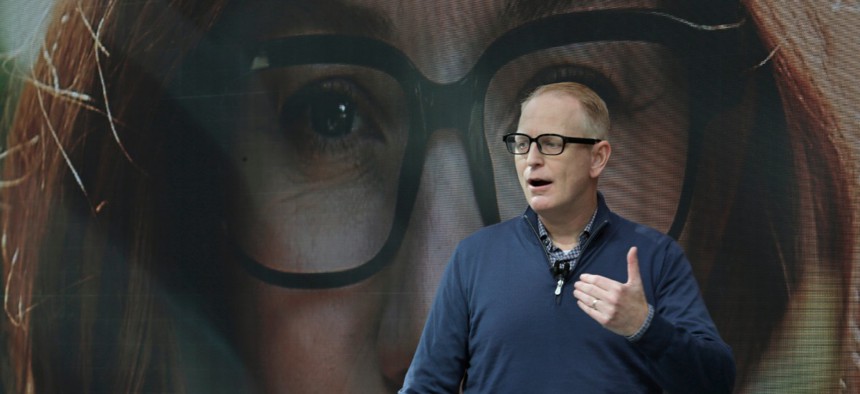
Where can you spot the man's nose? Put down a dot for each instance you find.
(445, 212)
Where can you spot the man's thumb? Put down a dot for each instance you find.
(633, 266)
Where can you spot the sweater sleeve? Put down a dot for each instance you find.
(439, 364)
(686, 352)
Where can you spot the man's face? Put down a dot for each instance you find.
(557, 185)
(318, 158)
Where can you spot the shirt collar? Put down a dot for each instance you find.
(586, 232)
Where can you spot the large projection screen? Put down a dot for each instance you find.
(261, 196)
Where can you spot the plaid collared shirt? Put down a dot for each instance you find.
(557, 255)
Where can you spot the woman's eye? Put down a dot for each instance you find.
(328, 110)
(331, 115)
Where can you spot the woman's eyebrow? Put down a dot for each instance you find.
(519, 11)
(340, 16)
(525, 10)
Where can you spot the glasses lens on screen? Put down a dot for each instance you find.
(317, 150)
(645, 87)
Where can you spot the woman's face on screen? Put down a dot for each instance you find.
(323, 149)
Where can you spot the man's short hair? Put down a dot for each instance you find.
(596, 113)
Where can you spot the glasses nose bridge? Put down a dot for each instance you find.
(458, 106)
(537, 153)
(536, 144)
(446, 106)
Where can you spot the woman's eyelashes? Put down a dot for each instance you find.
(587, 76)
(330, 116)
(553, 74)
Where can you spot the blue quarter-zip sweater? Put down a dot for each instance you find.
(497, 326)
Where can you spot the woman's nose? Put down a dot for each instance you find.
(445, 212)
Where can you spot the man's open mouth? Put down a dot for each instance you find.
(538, 182)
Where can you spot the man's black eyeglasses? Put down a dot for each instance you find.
(548, 144)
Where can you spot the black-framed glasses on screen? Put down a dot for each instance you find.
(338, 99)
(548, 144)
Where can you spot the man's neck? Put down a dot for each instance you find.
(565, 229)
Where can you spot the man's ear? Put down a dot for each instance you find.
(600, 153)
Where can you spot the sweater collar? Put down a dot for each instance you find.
(602, 215)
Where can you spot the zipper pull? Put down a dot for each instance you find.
(560, 269)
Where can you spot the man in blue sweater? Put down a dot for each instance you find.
(504, 320)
